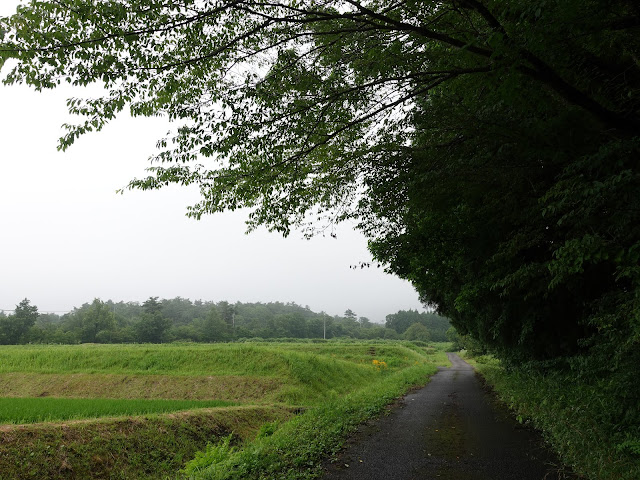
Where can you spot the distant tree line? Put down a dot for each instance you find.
(180, 319)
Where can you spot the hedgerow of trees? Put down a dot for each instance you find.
(180, 320)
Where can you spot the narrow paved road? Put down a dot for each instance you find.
(452, 429)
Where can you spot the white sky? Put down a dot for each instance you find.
(66, 237)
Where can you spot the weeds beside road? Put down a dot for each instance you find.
(573, 413)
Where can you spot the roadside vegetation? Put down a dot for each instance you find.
(579, 417)
(302, 400)
(295, 450)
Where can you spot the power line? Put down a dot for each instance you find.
(12, 310)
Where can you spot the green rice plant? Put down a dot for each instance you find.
(48, 409)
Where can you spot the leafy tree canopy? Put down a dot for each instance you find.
(26, 313)
(489, 149)
(14, 327)
(417, 331)
(180, 319)
(434, 323)
(93, 319)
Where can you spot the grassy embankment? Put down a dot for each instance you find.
(570, 412)
(336, 386)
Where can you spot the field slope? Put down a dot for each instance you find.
(144, 411)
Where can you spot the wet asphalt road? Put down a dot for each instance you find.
(452, 429)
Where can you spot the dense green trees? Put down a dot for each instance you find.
(180, 319)
(436, 325)
(152, 325)
(14, 328)
(214, 328)
(95, 323)
(418, 332)
(539, 240)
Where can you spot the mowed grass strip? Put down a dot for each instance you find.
(241, 389)
(33, 410)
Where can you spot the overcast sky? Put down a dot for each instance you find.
(66, 237)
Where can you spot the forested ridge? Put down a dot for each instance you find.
(488, 149)
(182, 320)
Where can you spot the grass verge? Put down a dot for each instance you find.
(568, 411)
(295, 450)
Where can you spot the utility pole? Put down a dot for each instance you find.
(324, 326)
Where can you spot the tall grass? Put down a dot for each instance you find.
(571, 412)
(311, 372)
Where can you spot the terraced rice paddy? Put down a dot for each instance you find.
(144, 411)
(31, 410)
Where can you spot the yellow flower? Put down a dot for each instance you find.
(379, 364)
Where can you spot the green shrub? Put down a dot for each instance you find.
(212, 455)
